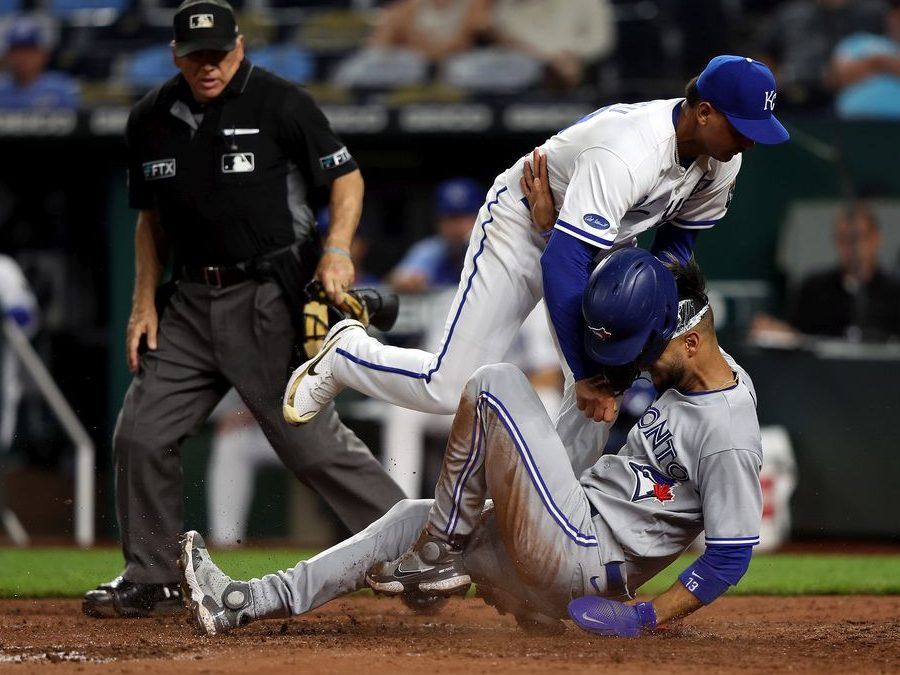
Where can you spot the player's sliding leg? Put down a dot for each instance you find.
(220, 603)
(504, 444)
(500, 284)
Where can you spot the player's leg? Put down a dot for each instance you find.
(403, 447)
(174, 391)
(502, 444)
(238, 451)
(324, 454)
(499, 285)
(220, 603)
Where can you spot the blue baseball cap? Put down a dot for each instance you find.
(24, 32)
(743, 90)
(458, 196)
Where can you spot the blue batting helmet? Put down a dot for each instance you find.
(630, 307)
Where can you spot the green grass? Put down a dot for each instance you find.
(69, 572)
(777, 574)
(66, 572)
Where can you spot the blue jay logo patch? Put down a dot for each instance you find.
(597, 221)
(602, 334)
(651, 484)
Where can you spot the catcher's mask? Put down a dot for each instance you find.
(630, 307)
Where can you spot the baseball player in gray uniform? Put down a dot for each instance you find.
(552, 542)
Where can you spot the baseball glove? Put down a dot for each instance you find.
(366, 305)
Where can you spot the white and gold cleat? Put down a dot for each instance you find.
(312, 386)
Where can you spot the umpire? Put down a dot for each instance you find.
(222, 159)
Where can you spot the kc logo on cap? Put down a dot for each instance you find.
(736, 86)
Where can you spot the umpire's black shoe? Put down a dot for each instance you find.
(129, 599)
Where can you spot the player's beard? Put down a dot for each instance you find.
(668, 376)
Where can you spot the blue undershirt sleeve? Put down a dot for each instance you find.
(713, 572)
(566, 264)
(675, 241)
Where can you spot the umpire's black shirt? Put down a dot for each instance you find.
(230, 178)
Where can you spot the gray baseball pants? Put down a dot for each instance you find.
(503, 444)
(210, 339)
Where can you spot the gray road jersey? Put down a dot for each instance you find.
(691, 463)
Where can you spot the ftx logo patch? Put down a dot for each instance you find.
(651, 484)
(202, 21)
(159, 168)
(335, 159)
(238, 162)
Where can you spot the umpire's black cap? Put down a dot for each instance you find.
(204, 24)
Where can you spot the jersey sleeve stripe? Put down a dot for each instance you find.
(586, 237)
(695, 224)
(734, 541)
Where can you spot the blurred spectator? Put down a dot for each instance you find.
(565, 36)
(27, 84)
(438, 260)
(855, 300)
(798, 39)
(411, 36)
(866, 72)
(18, 306)
(435, 29)
(239, 449)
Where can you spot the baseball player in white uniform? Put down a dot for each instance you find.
(553, 542)
(17, 304)
(666, 164)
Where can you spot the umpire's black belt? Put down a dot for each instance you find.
(215, 276)
(259, 268)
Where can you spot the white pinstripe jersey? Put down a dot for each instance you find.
(691, 463)
(616, 174)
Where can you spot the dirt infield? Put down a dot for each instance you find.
(367, 635)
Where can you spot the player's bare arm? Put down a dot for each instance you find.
(674, 603)
(151, 252)
(335, 270)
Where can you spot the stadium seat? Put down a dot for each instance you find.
(492, 71)
(10, 6)
(87, 12)
(381, 69)
(146, 68)
(287, 61)
(333, 31)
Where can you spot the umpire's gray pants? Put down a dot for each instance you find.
(209, 340)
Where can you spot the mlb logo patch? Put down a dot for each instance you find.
(159, 168)
(238, 162)
(202, 21)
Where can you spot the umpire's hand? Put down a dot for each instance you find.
(335, 272)
(143, 322)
